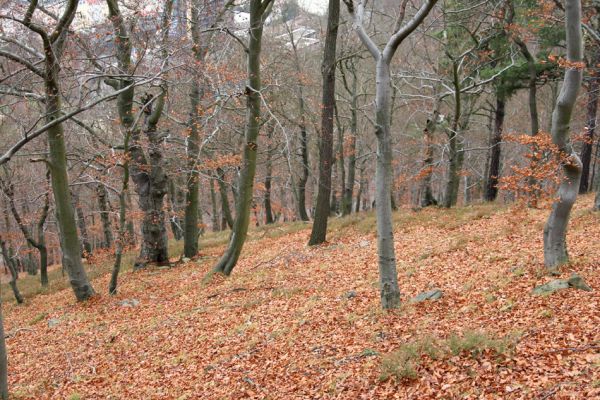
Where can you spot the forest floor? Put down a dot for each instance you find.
(294, 322)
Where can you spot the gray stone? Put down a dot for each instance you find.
(129, 303)
(551, 287)
(349, 295)
(577, 282)
(433, 294)
(52, 322)
(364, 243)
(186, 260)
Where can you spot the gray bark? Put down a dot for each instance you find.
(388, 279)
(103, 205)
(322, 207)
(3, 360)
(259, 11)
(555, 246)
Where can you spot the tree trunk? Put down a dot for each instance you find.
(225, 210)
(151, 183)
(491, 190)
(3, 360)
(268, 177)
(304, 161)
(259, 11)
(10, 263)
(215, 213)
(322, 208)
(102, 193)
(555, 245)
(176, 199)
(85, 241)
(120, 244)
(426, 193)
(388, 278)
(586, 150)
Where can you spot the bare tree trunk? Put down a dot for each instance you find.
(322, 208)
(85, 241)
(491, 190)
(259, 11)
(3, 360)
(176, 200)
(426, 193)
(225, 210)
(268, 177)
(213, 200)
(555, 245)
(305, 167)
(120, 244)
(102, 193)
(592, 111)
(10, 263)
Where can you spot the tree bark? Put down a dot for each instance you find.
(259, 11)
(268, 178)
(107, 233)
(3, 360)
(215, 213)
(491, 190)
(555, 246)
(322, 208)
(225, 210)
(426, 194)
(592, 111)
(10, 263)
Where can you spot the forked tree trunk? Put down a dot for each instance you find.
(322, 207)
(259, 11)
(9, 262)
(555, 231)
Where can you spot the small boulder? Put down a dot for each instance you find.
(434, 294)
(551, 287)
(186, 260)
(349, 295)
(129, 303)
(52, 322)
(364, 243)
(577, 282)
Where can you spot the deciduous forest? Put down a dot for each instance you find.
(299, 199)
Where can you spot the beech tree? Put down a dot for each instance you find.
(319, 228)
(259, 11)
(388, 278)
(555, 231)
(53, 44)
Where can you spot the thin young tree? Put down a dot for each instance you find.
(259, 11)
(555, 231)
(388, 279)
(322, 208)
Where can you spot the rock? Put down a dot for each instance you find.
(52, 322)
(577, 282)
(364, 243)
(551, 287)
(186, 260)
(129, 303)
(349, 295)
(434, 294)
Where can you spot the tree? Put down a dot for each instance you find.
(388, 279)
(53, 47)
(259, 11)
(555, 246)
(3, 360)
(319, 228)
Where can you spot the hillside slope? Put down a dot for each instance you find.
(294, 322)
